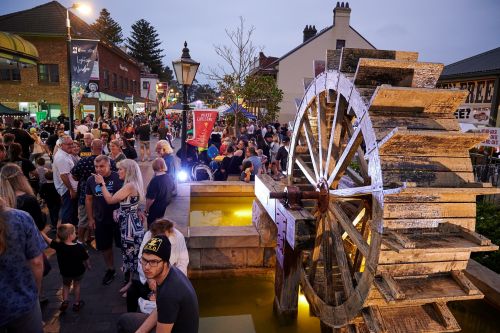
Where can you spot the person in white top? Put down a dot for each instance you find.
(144, 289)
(64, 182)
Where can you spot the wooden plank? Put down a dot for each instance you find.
(393, 257)
(466, 233)
(445, 315)
(426, 163)
(393, 287)
(335, 134)
(308, 173)
(429, 210)
(311, 144)
(346, 157)
(429, 143)
(415, 123)
(429, 197)
(401, 239)
(333, 59)
(350, 57)
(422, 178)
(348, 227)
(341, 257)
(410, 269)
(374, 320)
(374, 72)
(421, 100)
(465, 283)
(322, 132)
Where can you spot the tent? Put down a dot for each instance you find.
(6, 111)
(241, 110)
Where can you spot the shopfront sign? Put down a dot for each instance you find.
(493, 139)
(476, 108)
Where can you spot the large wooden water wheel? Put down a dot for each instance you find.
(396, 198)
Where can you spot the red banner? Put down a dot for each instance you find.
(203, 124)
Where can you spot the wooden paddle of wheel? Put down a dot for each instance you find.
(395, 194)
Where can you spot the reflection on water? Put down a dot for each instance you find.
(220, 211)
(255, 296)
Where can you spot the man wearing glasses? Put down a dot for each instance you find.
(176, 301)
(64, 182)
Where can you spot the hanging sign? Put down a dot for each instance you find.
(84, 67)
(203, 123)
(493, 139)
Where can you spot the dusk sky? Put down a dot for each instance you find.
(441, 31)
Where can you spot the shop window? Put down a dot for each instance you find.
(106, 79)
(48, 73)
(10, 74)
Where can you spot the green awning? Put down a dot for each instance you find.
(103, 97)
(16, 48)
(6, 111)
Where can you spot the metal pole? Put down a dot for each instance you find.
(68, 59)
(185, 108)
(236, 127)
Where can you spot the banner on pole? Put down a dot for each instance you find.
(203, 123)
(84, 67)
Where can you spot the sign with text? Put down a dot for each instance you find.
(492, 140)
(203, 124)
(84, 67)
(476, 108)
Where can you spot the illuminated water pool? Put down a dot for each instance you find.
(220, 211)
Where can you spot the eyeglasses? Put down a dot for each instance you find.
(152, 263)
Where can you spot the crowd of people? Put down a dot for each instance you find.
(90, 189)
(68, 191)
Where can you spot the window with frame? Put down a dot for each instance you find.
(121, 83)
(48, 73)
(115, 81)
(340, 44)
(106, 79)
(10, 74)
(145, 85)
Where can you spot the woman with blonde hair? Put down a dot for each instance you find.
(18, 193)
(115, 151)
(39, 148)
(131, 227)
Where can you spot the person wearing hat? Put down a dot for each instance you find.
(176, 300)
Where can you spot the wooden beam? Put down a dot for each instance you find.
(393, 286)
(373, 320)
(306, 170)
(335, 134)
(311, 144)
(322, 132)
(316, 251)
(363, 165)
(446, 317)
(346, 224)
(401, 239)
(351, 192)
(464, 283)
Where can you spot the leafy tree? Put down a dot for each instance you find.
(205, 92)
(263, 92)
(488, 225)
(107, 28)
(166, 75)
(144, 45)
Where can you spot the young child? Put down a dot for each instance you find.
(72, 259)
(41, 170)
(49, 194)
(246, 174)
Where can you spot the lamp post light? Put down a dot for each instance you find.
(85, 10)
(185, 70)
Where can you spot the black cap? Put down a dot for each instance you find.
(268, 135)
(286, 139)
(159, 246)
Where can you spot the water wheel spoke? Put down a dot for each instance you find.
(358, 217)
(316, 251)
(335, 135)
(351, 192)
(346, 158)
(322, 132)
(363, 165)
(348, 226)
(308, 173)
(311, 144)
(342, 261)
(328, 260)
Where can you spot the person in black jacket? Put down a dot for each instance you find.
(52, 199)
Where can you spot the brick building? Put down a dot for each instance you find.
(43, 90)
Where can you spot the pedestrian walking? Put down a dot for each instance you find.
(159, 192)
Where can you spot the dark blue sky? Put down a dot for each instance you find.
(440, 30)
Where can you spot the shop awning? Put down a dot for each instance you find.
(6, 111)
(103, 97)
(15, 49)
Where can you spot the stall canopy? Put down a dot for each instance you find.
(241, 109)
(15, 50)
(6, 111)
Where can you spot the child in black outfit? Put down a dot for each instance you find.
(72, 259)
(49, 194)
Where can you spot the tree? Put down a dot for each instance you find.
(263, 92)
(166, 75)
(238, 58)
(107, 28)
(144, 45)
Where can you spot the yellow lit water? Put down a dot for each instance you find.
(220, 211)
(254, 296)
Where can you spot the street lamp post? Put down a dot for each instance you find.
(84, 9)
(185, 70)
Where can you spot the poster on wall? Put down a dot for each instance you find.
(492, 140)
(83, 62)
(478, 114)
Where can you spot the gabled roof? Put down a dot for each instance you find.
(46, 20)
(313, 38)
(481, 64)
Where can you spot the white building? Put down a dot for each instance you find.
(148, 86)
(296, 65)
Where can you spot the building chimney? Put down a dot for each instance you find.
(341, 14)
(309, 32)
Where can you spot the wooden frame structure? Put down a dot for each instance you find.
(386, 250)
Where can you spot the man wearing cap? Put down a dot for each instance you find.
(176, 301)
